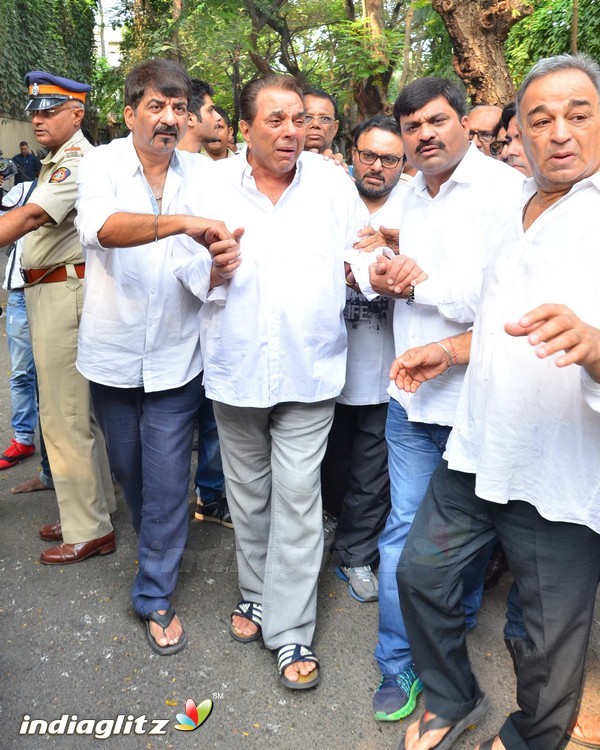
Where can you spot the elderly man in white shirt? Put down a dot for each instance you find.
(138, 340)
(274, 343)
(523, 459)
(448, 210)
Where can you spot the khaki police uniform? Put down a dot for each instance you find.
(74, 442)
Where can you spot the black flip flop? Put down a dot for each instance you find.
(455, 730)
(164, 621)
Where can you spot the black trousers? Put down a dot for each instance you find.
(355, 483)
(556, 567)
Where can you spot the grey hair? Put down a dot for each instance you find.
(547, 65)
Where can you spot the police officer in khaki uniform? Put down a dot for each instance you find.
(53, 268)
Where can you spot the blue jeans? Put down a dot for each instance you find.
(23, 392)
(414, 451)
(149, 442)
(209, 480)
(23, 380)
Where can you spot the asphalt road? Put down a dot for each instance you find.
(72, 647)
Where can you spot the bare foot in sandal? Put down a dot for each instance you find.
(430, 739)
(246, 622)
(495, 744)
(432, 730)
(243, 627)
(293, 671)
(170, 635)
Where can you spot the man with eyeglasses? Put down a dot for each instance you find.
(354, 471)
(53, 268)
(321, 118)
(483, 126)
(454, 197)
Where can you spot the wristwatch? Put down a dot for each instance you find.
(410, 300)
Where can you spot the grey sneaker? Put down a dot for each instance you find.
(363, 585)
(329, 528)
(217, 512)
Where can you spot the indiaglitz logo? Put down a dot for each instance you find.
(102, 729)
(194, 716)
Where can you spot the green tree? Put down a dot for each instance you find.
(53, 35)
(548, 32)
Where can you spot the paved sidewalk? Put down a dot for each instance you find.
(73, 647)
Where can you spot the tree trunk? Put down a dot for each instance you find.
(370, 93)
(176, 47)
(405, 78)
(574, 27)
(478, 30)
(102, 29)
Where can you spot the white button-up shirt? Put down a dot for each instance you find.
(370, 323)
(275, 332)
(528, 429)
(13, 278)
(447, 236)
(139, 324)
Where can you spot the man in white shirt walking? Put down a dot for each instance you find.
(138, 340)
(447, 211)
(274, 343)
(523, 460)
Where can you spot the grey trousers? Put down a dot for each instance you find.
(271, 462)
(556, 567)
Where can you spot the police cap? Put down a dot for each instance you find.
(46, 90)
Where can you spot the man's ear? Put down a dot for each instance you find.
(245, 130)
(78, 113)
(128, 116)
(464, 121)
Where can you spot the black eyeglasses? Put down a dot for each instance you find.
(323, 119)
(497, 146)
(388, 161)
(484, 135)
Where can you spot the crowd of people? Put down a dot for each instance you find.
(400, 366)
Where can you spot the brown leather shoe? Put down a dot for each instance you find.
(65, 554)
(585, 730)
(51, 532)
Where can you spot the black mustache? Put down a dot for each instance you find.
(438, 144)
